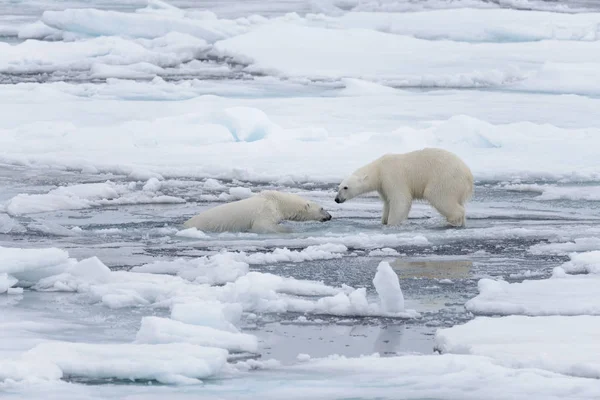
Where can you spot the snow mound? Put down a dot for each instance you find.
(529, 342)
(155, 330)
(173, 363)
(568, 295)
(246, 124)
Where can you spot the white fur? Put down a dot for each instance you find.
(260, 213)
(435, 175)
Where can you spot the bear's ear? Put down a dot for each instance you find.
(364, 177)
(307, 206)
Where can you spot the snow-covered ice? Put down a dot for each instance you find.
(166, 363)
(122, 120)
(566, 295)
(164, 330)
(88, 195)
(580, 244)
(566, 345)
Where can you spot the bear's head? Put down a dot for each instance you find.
(350, 188)
(314, 212)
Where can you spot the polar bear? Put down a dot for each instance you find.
(432, 174)
(260, 213)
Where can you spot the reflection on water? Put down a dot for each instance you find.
(432, 269)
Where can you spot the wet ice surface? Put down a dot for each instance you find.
(436, 279)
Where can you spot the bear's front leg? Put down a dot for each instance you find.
(269, 227)
(398, 211)
(386, 212)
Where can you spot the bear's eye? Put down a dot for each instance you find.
(345, 187)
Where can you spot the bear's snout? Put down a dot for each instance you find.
(338, 199)
(327, 217)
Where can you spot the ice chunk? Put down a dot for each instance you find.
(387, 285)
(239, 193)
(580, 244)
(152, 185)
(113, 23)
(530, 342)
(6, 282)
(386, 251)
(228, 266)
(213, 185)
(166, 363)
(83, 196)
(28, 371)
(165, 330)
(218, 269)
(30, 265)
(51, 228)
(7, 224)
(553, 192)
(26, 203)
(213, 314)
(569, 295)
(39, 30)
(588, 262)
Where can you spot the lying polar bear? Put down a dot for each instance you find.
(260, 213)
(432, 174)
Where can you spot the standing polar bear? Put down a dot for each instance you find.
(260, 213)
(432, 174)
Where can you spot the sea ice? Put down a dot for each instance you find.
(566, 345)
(164, 330)
(166, 363)
(568, 295)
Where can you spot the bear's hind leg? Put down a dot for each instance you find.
(454, 212)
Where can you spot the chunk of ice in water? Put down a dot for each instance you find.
(388, 287)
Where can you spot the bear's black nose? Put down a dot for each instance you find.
(337, 200)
